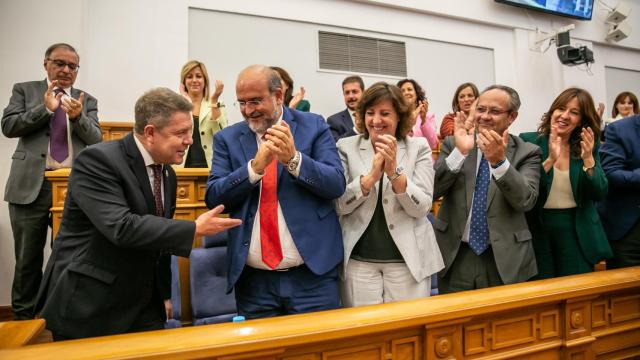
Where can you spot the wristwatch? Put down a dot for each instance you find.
(585, 169)
(217, 105)
(292, 164)
(396, 174)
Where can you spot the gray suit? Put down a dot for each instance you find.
(507, 201)
(406, 213)
(29, 196)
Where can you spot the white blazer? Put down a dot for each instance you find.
(406, 213)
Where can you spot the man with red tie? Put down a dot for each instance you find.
(53, 121)
(279, 171)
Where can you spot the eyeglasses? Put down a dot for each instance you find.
(61, 64)
(492, 112)
(242, 104)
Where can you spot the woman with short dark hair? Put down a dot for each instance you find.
(390, 247)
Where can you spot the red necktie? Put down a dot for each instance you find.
(157, 191)
(269, 235)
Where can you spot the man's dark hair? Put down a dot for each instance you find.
(353, 79)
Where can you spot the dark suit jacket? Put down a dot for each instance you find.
(507, 200)
(341, 125)
(306, 201)
(586, 190)
(27, 118)
(620, 154)
(104, 264)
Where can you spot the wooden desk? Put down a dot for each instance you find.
(19, 333)
(588, 316)
(113, 130)
(191, 189)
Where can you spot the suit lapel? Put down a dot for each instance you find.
(470, 172)
(366, 154)
(287, 117)
(347, 119)
(248, 143)
(575, 167)
(205, 109)
(169, 187)
(136, 163)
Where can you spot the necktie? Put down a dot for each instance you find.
(58, 142)
(479, 229)
(269, 235)
(157, 190)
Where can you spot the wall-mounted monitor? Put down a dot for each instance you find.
(577, 9)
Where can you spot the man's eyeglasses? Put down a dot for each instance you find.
(61, 64)
(492, 112)
(242, 104)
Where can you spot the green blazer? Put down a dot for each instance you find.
(586, 190)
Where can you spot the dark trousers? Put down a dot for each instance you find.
(267, 293)
(29, 224)
(470, 271)
(558, 251)
(626, 251)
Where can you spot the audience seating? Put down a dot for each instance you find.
(208, 267)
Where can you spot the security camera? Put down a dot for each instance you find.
(570, 55)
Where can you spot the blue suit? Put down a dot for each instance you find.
(621, 163)
(341, 125)
(306, 201)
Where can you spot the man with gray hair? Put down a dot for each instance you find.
(488, 180)
(106, 273)
(53, 121)
(279, 171)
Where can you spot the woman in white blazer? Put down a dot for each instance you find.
(208, 113)
(390, 249)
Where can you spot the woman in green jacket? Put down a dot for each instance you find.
(568, 237)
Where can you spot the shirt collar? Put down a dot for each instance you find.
(66, 90)
(148, 160)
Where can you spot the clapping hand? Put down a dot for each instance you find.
(219, 87)
(295, 100)
(184, 93)
(493, 145)
(586, 147)
(51, 99)
(387, 147)
(72, 107)
(280, 142)
(464, 132)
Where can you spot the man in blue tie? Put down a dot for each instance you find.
(53, 121)
(488, 180)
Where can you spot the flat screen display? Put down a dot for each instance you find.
(577, 9)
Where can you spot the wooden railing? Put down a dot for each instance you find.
(113, 130)
(588, 316)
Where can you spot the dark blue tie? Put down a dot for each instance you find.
(479, 229)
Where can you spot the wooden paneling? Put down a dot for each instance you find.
(548, 319)
(114, 130)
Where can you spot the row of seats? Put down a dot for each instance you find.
(208, 278)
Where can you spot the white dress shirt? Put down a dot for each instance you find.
(148, 161)
(454, 163)
(290, 255)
